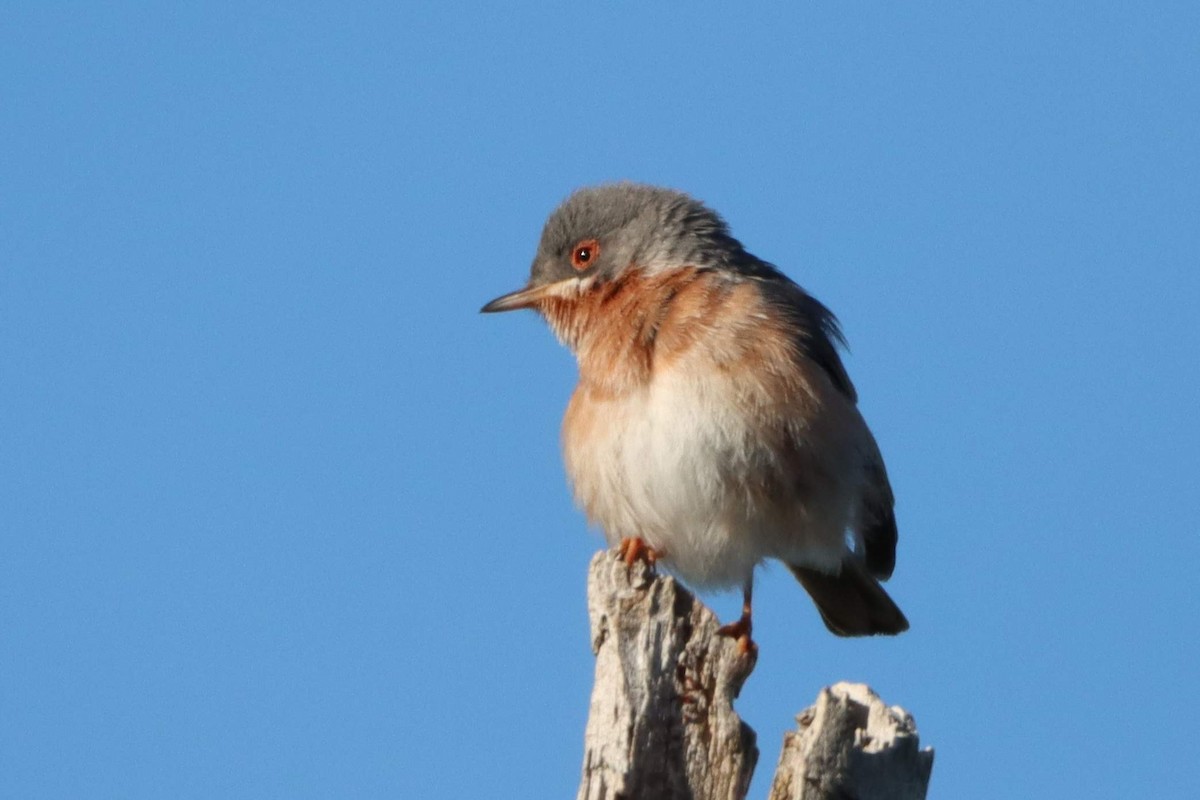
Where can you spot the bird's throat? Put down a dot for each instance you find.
(621, 328)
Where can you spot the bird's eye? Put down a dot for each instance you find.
(584, 254)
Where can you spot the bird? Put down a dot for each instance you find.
(714, 427)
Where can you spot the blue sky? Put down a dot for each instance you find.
(282, 516)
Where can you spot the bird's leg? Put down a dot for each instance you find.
(635, 549)
(741, 629)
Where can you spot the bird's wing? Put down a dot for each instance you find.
(817, 330)
(818, 337)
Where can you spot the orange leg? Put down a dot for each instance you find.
(741, 629)
(636, 549)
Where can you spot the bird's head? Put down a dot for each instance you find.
(605, 234)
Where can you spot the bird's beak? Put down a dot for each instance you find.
(522, 298)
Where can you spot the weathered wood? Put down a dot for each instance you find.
(662, 723)
(852, 745)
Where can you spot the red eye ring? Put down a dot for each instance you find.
(584, 254)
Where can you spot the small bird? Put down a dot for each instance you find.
(714, 425)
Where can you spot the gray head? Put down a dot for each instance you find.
(602, 232)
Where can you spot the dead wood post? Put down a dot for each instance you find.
(662, 726)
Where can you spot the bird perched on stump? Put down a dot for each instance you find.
(714, 425)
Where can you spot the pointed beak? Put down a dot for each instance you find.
(522, 298)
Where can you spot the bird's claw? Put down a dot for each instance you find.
(635, 549)
(740, 631)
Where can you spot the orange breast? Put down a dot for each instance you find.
(697, 331)
(623, 330)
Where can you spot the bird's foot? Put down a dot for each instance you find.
(636, 549)
(740, 631)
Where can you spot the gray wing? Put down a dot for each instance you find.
(818, 330)
(820, 336)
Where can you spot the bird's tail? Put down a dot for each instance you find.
(852, 603)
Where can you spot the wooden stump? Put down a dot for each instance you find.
(850, 744)
(662, 725)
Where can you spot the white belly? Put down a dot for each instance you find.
(681, 465)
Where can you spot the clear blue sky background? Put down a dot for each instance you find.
(283, 516)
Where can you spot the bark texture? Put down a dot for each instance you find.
(662, 725)
(852, 745)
